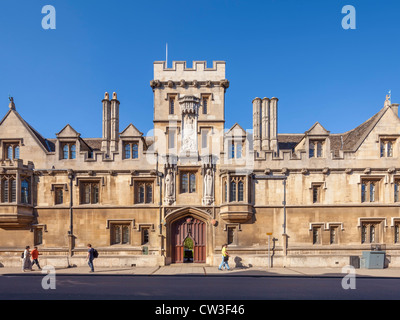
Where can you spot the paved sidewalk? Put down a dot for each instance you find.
(204, 270)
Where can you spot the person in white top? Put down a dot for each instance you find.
(26, 260)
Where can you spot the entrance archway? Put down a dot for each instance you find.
(188, 240)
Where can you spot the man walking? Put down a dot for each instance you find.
(35, 257)
(90, 257)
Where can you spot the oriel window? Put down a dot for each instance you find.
(237, 192)
(25, 192)
(8, 189)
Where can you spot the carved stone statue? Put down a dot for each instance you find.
(208, 183)
(208, 197)
(169, 184)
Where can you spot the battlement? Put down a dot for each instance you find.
(198, 72)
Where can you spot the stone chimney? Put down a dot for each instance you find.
(395, 108)
(114, 138)
(105, 143)
(257, 124)
(265, 125)
(273, 124)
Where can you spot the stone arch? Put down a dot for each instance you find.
(183, 222)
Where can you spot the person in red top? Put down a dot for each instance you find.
(35, 255)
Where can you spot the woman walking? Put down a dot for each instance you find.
(26, 260)
(225, 258)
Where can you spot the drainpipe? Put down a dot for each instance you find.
(159, 184)
(70, 232)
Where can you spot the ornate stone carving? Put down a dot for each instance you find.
(189, 110)
(392, 170)
(224, 83)
(348, 170)
(208, 183)
(155, 83)
(170, 186)
(170, 84)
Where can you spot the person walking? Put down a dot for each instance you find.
(225, 258)
(90, 257)
(35, 257)
(26, 260)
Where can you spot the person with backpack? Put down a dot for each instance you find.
(92, 253)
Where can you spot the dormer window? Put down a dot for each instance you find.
(316, 148)
(69, 150)
(131, 150)
(235, 149)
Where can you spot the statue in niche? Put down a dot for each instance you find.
(189, 135)
(169, 184)
(208, 183)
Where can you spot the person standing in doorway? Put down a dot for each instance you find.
(225, 258)
(35, 257)
(26, 260)
(90, 257)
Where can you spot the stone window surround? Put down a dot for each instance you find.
(321, 186)
(371, 178)
(34, 228)
(64, 187)
(6, 142)
(237, 228)
(325, 226)
(130, 142)
(381, 222)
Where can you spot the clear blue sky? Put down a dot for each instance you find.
(294, 50)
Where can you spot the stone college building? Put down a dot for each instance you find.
(178, 194)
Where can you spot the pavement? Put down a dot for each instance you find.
(206, 270)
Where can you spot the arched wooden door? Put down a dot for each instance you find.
(193, 228)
